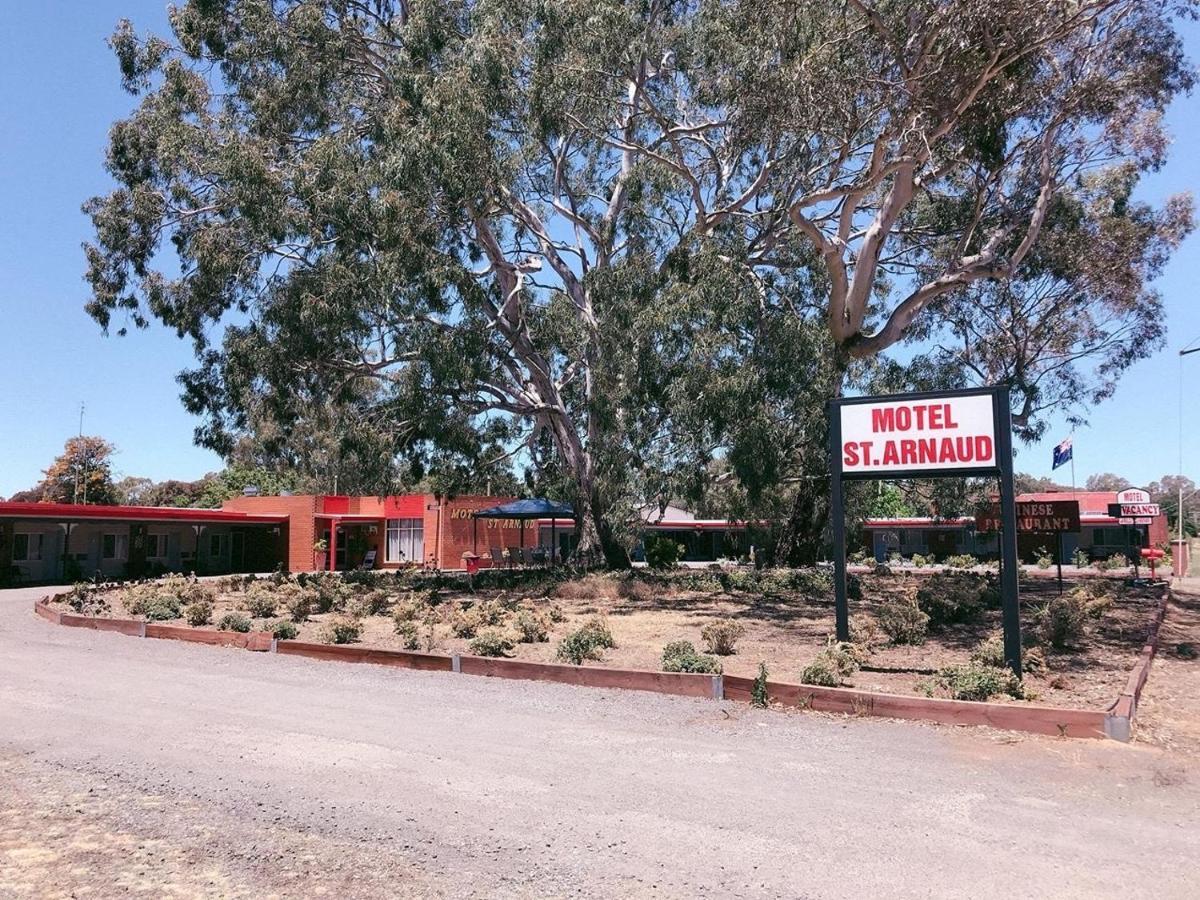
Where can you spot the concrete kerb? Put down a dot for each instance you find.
(1115, 723)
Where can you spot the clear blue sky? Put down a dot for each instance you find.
(59, 93)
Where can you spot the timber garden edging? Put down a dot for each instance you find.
(1116, 722)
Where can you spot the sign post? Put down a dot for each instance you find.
(941, 434)
(1053, 517)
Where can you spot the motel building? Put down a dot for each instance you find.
(1100, 535)
(46, 542)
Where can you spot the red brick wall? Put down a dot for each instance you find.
(297, 536)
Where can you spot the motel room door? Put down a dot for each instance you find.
(237, 552)
(942, 543)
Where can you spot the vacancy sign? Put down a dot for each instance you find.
(1134, 504)
(942, 434)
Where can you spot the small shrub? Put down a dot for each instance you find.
(821, 671)
(491, 642)
(864, 633)
(758, 690)
(331, 594)
(299, 603)
(408, 610)
(919, 561)
(979, 682)
(556, 615)
(721, 636)
(234, 622)
(86, 601)
(372, 603)
(1080, 559)
(1044, 559)
(150, 603)
(1063, 622)
(284, 631)
(903, 622)
(343, 630)
(961, 561)
(590, 587)
(662, 552)
(531, 628)
(950, 598)
(1116, 561)
(989, 652)
(465, 622)
(260, 602)
(631, 587)
(198, 613)
(586, 642)
(681, 656)
(837, 662)
(410, 634)
(599, 632)
(1186, 650)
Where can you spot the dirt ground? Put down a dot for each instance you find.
(784, 630)
(1169, 712)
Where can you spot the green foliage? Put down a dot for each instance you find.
(530, 627)
(951, 598)
(903, 622)
(260, 601)
(1064, 622)
(721, 637)
(586, 642)
(920, 561)
(233, 621)
(198, 613)
(662, 553)
(464, 623)
(82, 473)
(152, 603)
(372, 603)
(491, 642)
(976, 681)
(681, 656)
(758, 690)
(460, 160)
(961, 561)
(284, 631)
(889, 503)
(83, 598)
(1116, 561)
(410, 634)
(821, 671)
(1080, 558)
(833, 665)
(342, 630)
(1044, 559)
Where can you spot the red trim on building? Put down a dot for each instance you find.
(73, 511)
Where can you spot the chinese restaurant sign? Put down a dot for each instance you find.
(1034, 517)
(944, 434)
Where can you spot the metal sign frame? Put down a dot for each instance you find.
(1003, 469)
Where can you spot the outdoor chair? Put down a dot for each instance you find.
(527, 555)
(498, 561)
(539, 556)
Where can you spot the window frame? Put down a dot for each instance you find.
(120, 547)
(33, 539)
(409, 534)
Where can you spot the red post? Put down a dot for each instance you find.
(332, 563)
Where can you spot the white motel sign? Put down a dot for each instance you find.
(943, 433)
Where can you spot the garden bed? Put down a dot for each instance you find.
(785, 620)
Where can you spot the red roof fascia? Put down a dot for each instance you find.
(135, 513)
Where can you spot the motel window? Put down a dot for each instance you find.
(405, 540)
(218, 545)
(115, 546)
(27, 547)
(156, 546)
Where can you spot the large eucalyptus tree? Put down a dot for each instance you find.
(521, 218)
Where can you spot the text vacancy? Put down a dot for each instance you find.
(945, 433)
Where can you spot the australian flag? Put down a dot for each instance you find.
(1062, 454)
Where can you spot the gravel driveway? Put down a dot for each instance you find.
(152, 768)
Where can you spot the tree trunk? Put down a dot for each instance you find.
(803, 534)
(597, 535)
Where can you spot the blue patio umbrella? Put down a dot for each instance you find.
(523, 510)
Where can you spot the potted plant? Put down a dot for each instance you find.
(320, 554)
